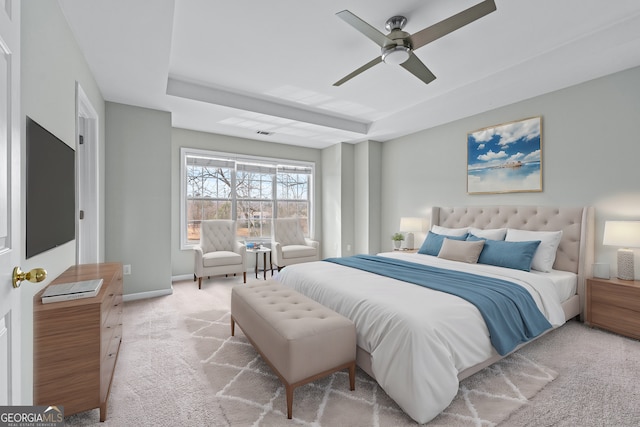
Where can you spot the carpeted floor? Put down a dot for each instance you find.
(178, 366)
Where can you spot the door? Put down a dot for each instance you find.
(10, 159)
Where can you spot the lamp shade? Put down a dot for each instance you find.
(622, 233)
(411, 224)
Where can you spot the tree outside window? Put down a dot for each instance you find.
(254, 192)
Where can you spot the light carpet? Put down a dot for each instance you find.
(178, 366)
(250, 394)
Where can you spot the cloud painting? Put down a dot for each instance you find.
(506, 158)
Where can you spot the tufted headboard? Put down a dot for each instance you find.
(576, 250)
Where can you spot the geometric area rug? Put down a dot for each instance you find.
(249, 394)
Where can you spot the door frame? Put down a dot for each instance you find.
(87, 180)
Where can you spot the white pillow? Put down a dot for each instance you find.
(489, 233)
(546, 253)
(449, 231)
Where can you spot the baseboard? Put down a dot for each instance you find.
(145, 295)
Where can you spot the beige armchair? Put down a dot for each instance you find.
(219, 252)
(289, 246)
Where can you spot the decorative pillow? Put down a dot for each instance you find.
(516, 255)
(463, 251)
(546, 254)
(489, 233)
(449, 231)
(433, 243)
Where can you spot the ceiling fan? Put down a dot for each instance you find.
(398, 46)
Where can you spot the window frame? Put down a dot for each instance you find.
(185, 152)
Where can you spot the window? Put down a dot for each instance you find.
(252, 190)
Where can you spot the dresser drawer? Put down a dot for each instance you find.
(615, 295)
(112, 301)
(616, 319)
(107, 365)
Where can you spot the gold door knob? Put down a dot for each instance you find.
(36, 275)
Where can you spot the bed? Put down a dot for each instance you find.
(417, 342)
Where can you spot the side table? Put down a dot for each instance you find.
(614, 304)
(264, 252)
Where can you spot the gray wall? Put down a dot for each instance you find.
(182, 260)
(590, 152)
(367, 205)
(51, 65)
(338, 192)
(138, 196)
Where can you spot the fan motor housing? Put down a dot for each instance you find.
(398, 52)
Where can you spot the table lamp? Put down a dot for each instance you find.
(408, 226)
(627, 235)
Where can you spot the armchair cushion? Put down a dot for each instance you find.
(297, 251)
(220, 258)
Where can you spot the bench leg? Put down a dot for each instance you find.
(233, 328)
(289, 392)
(352, 376)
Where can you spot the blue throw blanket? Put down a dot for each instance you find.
(509, 311)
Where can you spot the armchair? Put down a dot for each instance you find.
(219, 252)
(289, 246)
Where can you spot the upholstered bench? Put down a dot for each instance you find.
(300, 339)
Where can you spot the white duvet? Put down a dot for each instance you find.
(419, 339)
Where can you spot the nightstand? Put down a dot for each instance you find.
(614, 304)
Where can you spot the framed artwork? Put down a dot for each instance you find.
(506, 158)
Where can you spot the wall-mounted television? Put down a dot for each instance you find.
(51, 200)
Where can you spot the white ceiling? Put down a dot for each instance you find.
(243, 66)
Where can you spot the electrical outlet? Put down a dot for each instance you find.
(348, 248)
(126, 269)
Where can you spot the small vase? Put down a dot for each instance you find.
(397, 243)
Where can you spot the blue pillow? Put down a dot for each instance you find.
(433, 243)
(516, 255)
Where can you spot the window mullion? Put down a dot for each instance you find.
(234, 196)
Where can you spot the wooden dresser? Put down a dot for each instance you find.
(76, 343)
(614, 304)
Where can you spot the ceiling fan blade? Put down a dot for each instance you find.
(366, 29)
(452, 23)
(418, 69)
(365, 67)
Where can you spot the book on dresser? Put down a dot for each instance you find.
(71, 291)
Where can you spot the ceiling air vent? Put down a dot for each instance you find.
(262, 132)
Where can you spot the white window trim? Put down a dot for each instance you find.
(186, 151)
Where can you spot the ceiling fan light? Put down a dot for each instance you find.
(396, 56)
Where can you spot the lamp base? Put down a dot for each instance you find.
(626, 270)
(408, 240)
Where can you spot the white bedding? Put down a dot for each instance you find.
(566, 282)
(419, 339)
